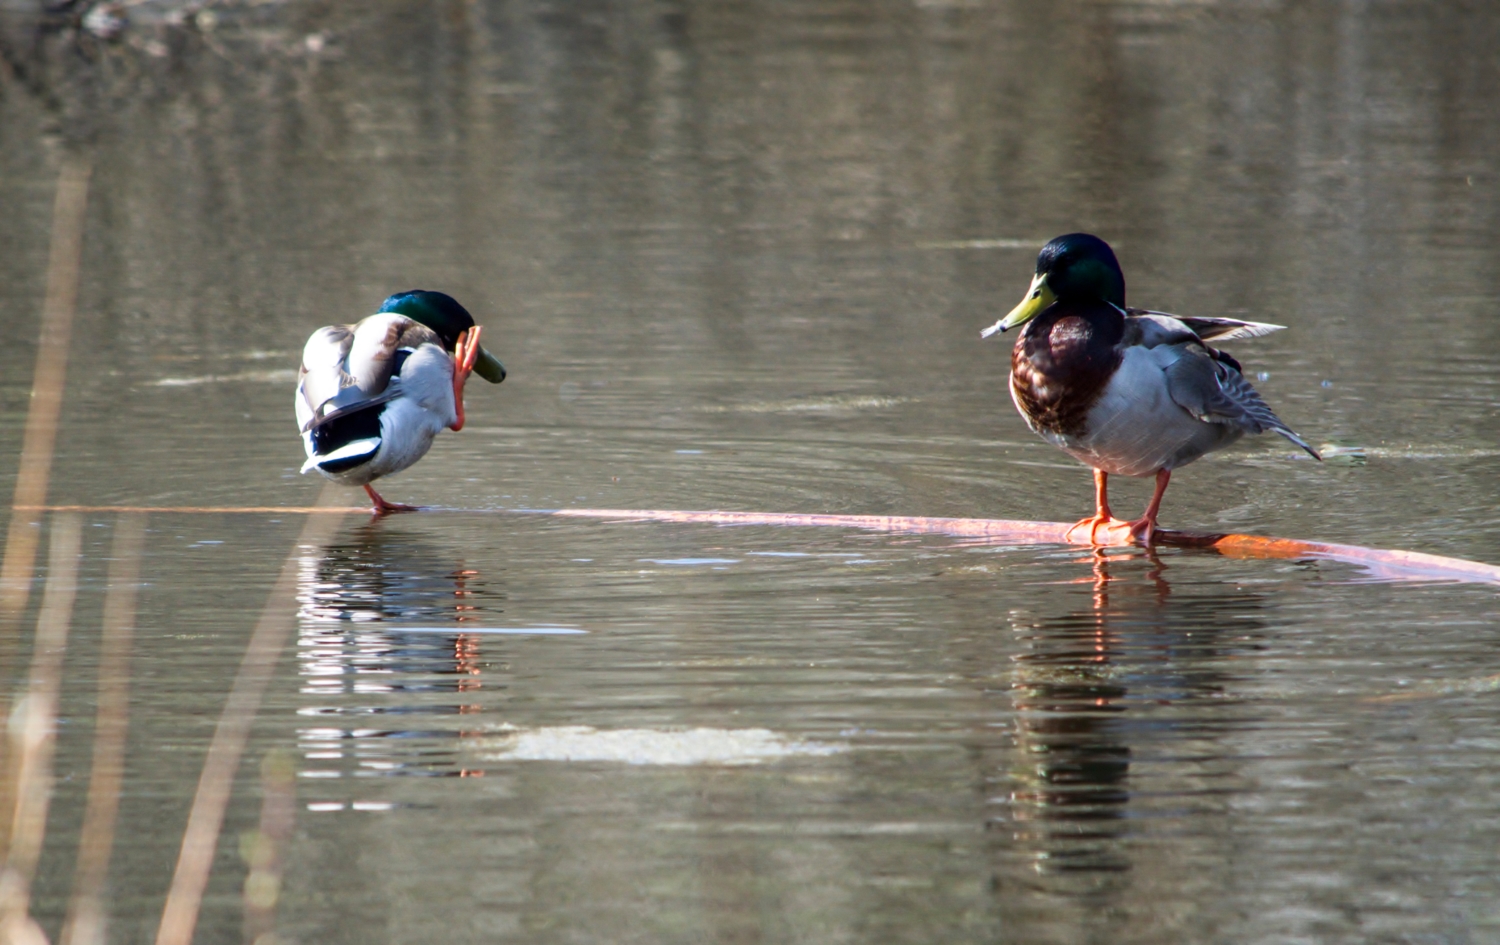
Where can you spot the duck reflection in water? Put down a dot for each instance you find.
(356, 662)
(1140, 666)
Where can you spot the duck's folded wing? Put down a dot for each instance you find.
(347, 401)
(1213, 329)
(322, 375)
(327, 390)
(373, 357)
(347, 368)
(1215, 392)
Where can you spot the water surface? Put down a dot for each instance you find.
(737, 256)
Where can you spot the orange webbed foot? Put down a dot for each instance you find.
(382, 507)
(1142, 530)
(1116, 532)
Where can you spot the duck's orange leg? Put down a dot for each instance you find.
(1144, 527)
(1102, 517)
(382, 507)
(465, 352)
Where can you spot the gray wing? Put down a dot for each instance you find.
(1215, 392)
(1153, 329)
(1211, 329)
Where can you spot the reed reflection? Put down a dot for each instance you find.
(1137, 670)
(374, 640)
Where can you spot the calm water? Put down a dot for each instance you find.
(737, 256)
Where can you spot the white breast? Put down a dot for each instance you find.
(1136, 428)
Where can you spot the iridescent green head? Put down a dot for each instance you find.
(1077, 267)
(442, 313)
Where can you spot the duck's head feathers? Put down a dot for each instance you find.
(1076, 268)
(448, 319)
(1082, 268)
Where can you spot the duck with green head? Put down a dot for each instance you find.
(371, 396)
(1126, 391)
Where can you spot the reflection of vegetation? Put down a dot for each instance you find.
(559, 146)
(80, 58)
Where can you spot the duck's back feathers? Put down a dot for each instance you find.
(371, 396)
(346, 367)
(373, 354)
(1206, 382)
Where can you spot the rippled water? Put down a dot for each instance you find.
(737, 256)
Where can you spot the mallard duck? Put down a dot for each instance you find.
(1126, 391)
(371, 396)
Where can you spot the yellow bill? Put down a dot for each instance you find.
(1038, 297)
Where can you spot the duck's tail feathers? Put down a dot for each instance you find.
(1234, 401)
(1257, 411)
(1287, 432)
(345, 458)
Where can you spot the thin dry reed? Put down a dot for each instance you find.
(64, 261)
(35, 468)
(264, 849)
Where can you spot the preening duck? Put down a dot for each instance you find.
(371, 396)
(1126, 391)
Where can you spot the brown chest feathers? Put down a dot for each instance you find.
(1062, 362)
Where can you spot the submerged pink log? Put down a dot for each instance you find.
(1008, 530)
(1406, 565)
(1381, 562)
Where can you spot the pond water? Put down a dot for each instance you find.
(737, 256)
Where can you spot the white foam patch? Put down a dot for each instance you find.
(648, 746)
(688, 562)
(277, 376)
(821, 405)
(999, 242)
(458, 629)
